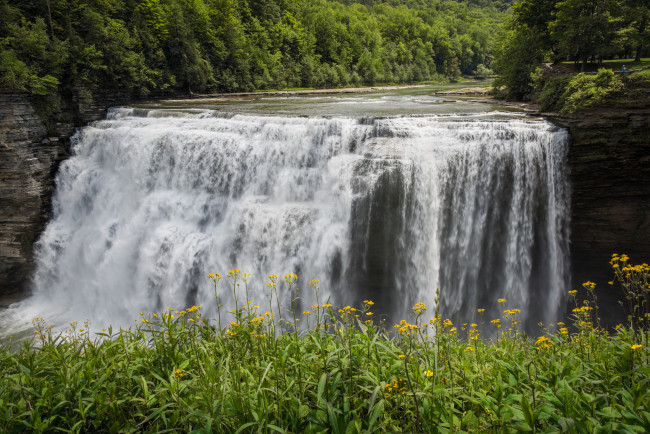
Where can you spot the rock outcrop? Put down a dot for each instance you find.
(609, 159)
(28, 161)
(29, 157)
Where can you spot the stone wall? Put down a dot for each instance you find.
(28, 161)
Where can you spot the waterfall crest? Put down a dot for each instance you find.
(382, 208)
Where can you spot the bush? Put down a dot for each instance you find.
(586, 90)
(483, 72)
(553, 93)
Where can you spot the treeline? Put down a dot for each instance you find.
(581, 31)
(241, 45)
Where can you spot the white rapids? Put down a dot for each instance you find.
(382, 208)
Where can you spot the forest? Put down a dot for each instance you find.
(49, 47)
(241, 45)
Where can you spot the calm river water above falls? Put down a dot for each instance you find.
(384, 196)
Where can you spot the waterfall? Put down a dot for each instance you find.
(387, 209)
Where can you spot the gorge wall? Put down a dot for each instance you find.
(609, 160)
(28, 161)
(29, 157)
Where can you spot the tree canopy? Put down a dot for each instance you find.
(241, 45)
(569, 30)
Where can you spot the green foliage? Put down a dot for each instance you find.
(575, 30)
(227, 45)
(519, 56)
(339, 371)
(641, 76)
(482, 71)
(571, 93)
(586, 90)
(553, 93)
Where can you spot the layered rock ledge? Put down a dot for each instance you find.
(28, 162)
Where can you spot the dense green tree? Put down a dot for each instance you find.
(587, 29)
(575, 30)
(234, 45)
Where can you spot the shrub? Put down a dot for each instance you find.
(586, 90)
(482, 71)
(553, 93)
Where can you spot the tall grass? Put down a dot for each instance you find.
(340, 372)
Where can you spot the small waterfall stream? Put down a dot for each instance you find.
(382, 208)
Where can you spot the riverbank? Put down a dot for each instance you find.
(466, 83)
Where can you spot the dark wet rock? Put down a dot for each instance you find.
(609, 160)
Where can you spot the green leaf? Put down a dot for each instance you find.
(376, 412)
(526, 410)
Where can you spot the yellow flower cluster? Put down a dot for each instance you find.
(636, 347)
(316, 306)
(274, 279)
(347, 310)
(232, 329)
(589, 285)
(480, 310)
(583, 309)
(395, 387)
(405, 328)
(428, 374)
(419, 308)
(178, 373)
(473, 333)
(258, 318)
(368, 302)
(642, 268)
(543, 342)
(447, 323)
(501, 300)
(572, 293)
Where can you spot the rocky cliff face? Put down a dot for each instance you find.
(609, 160)
(29, 158)
(28, 161)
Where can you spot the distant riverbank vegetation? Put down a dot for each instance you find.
(586, 33)
(291, 368)
(200, 46)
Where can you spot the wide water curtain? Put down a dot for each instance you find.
(387, 209)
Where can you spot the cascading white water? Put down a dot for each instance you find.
(382, 208)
